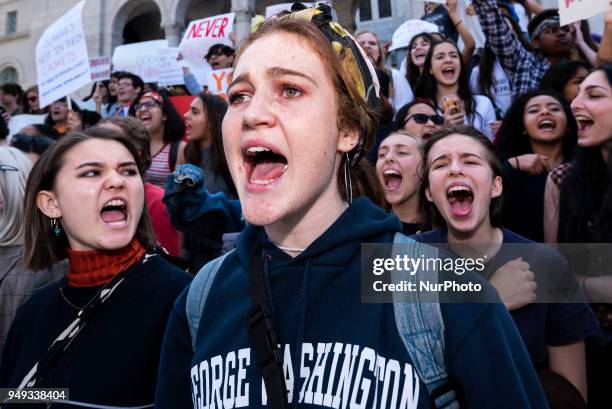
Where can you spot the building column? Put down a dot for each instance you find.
(172, 31)
(245, 10)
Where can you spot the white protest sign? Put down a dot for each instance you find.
(218, 81)
(404, 33)
(62, 63)
(169, 70)
(199, 37)
(17, 122)
(139, 58)
(576, 10)
(100, 68)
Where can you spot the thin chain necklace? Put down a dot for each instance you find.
(61, 290)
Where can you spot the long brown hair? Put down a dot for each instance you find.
(42, 248)
(353, 113)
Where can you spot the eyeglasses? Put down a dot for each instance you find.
(422, 119)
(28, 143)
(147, 105)
(8, 168)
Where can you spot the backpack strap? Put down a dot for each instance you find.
(172, 158)
(198, 293)
(419, 322)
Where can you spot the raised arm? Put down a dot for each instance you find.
(604, 56)
(469, 45)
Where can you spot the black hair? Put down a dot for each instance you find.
(215, 108)
(137, 82)
(31, 144)
(49, 121)
(4, 131)
(45, 130)
(559, 74)
(585, 204)
(433, 216)
(89, 118)
(512, 138)
(224, 49)
(400, 117)
(427, 84)
(174, 128)
(93, 90)
(412, 71)
(538, 18)
(12, 89)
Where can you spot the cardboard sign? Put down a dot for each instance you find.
(404, 33)
(62, 63)
(576, 10)
(170, 72)
(100, 68)
(140, 58)
(218, 81)
(18, 122)
(199, 37)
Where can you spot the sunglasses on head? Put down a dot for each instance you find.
(28, 143)
(423, 118)
(148, 105)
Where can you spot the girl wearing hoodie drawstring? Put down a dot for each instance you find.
(297, 121)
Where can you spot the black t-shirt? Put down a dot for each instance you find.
(114, 360)
(439, 16)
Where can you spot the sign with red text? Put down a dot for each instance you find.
(199, 37)
(62, 62)
(218, 81)
(140, 59)
(100, 68)
(576, 10)
(170, 72)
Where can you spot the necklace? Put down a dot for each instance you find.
(290, 249)
(61, 290)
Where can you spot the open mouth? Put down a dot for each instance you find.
(114, 212)
(392, 180)
(460, 197)
(448, 72)
(584, 123)
(263, 165)
(547, 125)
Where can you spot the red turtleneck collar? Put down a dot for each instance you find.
(93, 268)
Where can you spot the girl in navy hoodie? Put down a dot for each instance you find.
(462, 180)
(298, 120)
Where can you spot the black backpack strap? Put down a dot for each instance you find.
(174, 148)
(262, 334)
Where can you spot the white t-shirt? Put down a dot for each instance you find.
(402, 93)
(521, 13)
(501, 88)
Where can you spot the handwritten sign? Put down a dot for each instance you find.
(100, 68)
(576, 10)
(404, 33)
(62, 63)
(169, 70)
(140, 58)
(199, 37)
(218, 81)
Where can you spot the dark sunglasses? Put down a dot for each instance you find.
(422, 119)
(28, 143)
(148, 105)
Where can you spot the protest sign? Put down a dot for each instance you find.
(17, 122)
(62, 63)
(576, 10)
(199, 37)
(218, 81)
(139, 58)
(100, 68)
(404, 33)
(169, 70)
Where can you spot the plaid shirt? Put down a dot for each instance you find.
(524, 68)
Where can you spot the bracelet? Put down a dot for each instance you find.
(460, 21)
(518, 167)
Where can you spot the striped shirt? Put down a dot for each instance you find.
(160, 167)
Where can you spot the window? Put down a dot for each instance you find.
(9, 74)
(365, 10)
(384, 8)
(11, 22)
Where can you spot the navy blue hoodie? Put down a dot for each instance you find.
(338, 352)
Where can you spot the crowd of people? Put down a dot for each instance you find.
(151, 258)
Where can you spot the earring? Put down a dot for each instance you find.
(55, 226)
(348, 184)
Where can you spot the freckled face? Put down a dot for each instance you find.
(99, 194)
(280, 133)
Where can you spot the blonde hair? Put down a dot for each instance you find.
(12, 194)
